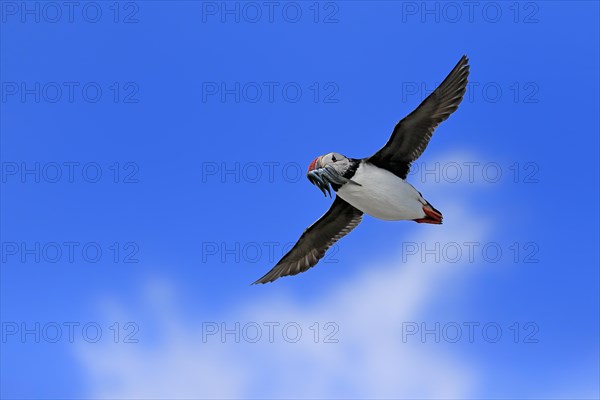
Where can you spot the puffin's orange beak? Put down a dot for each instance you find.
(316, 163)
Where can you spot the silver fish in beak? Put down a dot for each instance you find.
(324, 177)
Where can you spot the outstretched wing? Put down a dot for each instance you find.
(336, 223)
(411, 135)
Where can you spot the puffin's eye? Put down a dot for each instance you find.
(333, 158)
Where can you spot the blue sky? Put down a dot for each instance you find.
(153, 160)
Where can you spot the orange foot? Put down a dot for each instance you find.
(432, 216)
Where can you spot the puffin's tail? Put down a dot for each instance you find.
(432, 216)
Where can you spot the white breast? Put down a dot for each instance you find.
(382, 194)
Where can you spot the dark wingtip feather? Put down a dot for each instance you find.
(264, 279)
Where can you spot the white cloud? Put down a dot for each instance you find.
(369, 360)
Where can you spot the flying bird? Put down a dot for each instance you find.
(375, 185)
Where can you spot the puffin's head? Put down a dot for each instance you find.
(327, 169)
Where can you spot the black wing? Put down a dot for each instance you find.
(411, 135)
(336, 223)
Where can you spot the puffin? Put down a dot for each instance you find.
(374, 185)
